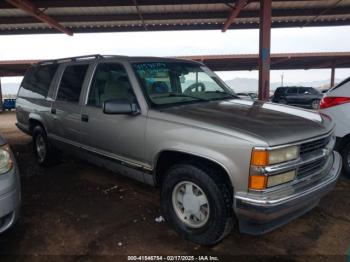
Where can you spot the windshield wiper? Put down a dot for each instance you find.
(183, 95)
(222, 93)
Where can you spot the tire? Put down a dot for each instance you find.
(216, 216)
(45, 154)
(282, 101)
(345, 153)
(315, 104)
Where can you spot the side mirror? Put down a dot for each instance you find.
(120, 106)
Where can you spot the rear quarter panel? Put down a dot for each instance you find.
(340, 114)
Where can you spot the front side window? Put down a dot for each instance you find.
(173, 83)
(110, 81)
(72, 83)
(308, 90)
(37, 81)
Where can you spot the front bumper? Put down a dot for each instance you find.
(260, 215)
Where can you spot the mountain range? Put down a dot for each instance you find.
(251, 84)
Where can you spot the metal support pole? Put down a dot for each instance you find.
(0, 96)
(264, 49)
(332, 76)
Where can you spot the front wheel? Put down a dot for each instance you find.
(197, 204)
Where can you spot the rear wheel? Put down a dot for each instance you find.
(315, 104)
(45, 154)
(197, 203)
(346, 159)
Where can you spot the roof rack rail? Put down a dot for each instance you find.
(70, 59)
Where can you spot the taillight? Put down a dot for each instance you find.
(330, 101)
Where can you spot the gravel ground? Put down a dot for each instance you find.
(75, 211)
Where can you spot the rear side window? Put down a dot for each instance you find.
(292, 91)
(72, 83)
(37, 81)
(279, 91)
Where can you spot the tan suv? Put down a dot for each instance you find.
(219, 161)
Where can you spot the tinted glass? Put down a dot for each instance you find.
(308, 90)
(110, 81)
(292, 90)
(173, 83)
(72, 83)
(280, 91)
(37, 81)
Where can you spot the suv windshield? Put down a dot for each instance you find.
(173, 83)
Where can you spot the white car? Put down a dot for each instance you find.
(336, 104)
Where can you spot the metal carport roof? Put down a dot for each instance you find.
(234, 62)
(148, 15)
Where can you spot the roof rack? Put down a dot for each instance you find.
(70, 59)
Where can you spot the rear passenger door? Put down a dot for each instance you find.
(292, 95)
(118, 137)
(304, 95)
(66, 109)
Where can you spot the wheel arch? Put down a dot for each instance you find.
(166, 158)
(341, 142)
(35, 120)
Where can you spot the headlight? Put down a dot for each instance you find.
(6, 162)
(263, 157)
(283, 155)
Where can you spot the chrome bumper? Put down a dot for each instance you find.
(260, 215)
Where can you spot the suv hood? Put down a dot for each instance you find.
(273, 123)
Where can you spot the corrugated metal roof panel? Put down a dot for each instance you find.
(91, 10)
(201, 15)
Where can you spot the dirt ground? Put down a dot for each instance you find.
(78, 212)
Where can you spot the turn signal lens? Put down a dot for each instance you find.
(260, 157)
(6, 162)
(257, 182)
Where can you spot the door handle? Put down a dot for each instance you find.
(85, 118)
(53, 111)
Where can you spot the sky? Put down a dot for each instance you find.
(182, 43)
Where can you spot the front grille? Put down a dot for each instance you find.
(310, 168)
(314, 145)
(308, 148)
